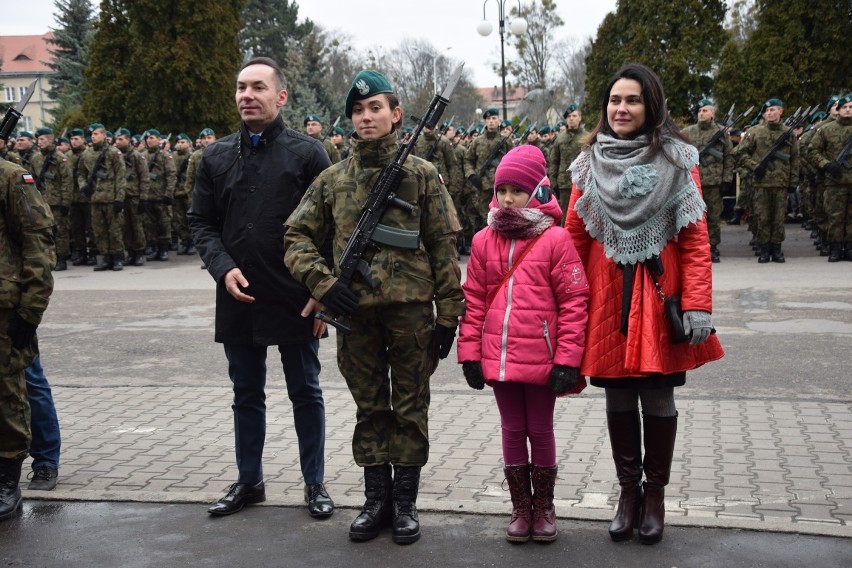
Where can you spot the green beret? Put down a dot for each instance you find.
(367, 83)
(96, 126)
(505, 123)
(831, 101)
(773, 102)
(339, 131)
(313, 118)
(461, 130)
(184, 136)
(843, 100)
(544, 130)
(153, 132)
(110, 134)
(490, 112)
(43, 131)
(706, 103)
(569, 109)
(136, 138)
(64, 139)
(122, 132)
(77, 132)
(207, 132)
(25, 134)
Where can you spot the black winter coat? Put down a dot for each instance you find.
(241, 198)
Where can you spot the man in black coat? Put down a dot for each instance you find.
(247, 185)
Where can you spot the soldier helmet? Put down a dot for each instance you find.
(367, 83)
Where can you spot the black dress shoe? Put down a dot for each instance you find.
(238, 496)
(320, 505)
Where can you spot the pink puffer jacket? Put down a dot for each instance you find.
(538, 317)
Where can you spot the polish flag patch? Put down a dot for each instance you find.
(28, 178)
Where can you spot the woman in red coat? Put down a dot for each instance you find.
(637, 219)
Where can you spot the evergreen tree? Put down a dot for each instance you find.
(270, 29)
(109, 77)
(680, 41)
(69, 50)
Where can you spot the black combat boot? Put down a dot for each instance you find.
(138, 258)
(376, 512)
(777, 255)
(173, 244)
(406, 525)
(77, 259)
(846, 251)
(184, 248)
(763, 254)
(61, 264)
(163, 251)
(10, 490)
(150, 253)
(835, 254)
(191, 250)
(105, 264)
(92, 258)
(118, 262)
(714, 254)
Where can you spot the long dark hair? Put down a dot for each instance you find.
(658, 122)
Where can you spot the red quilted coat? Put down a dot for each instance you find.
(537, 318)
(647, 348)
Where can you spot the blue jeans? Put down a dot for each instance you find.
(247, 369)
(44, 423)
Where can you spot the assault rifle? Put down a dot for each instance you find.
(727, 123)
(493, 155)
(466, 132)
(431, 153)
(14, 114)
(844, 155)
(526, 134)
(795, 120)
(331, 129)
(369, 233)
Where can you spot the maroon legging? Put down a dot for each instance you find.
(526, 413)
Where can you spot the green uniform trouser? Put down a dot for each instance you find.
(468, 213)
(393, 411)
(820, 214)
(713, 200)
(14, 407)
(770, 204)
(838, 207)
(180, 225)
(81, 224)
(63, 227)
(158, 225)
(134, 228)
(563, 199)
(107, 227)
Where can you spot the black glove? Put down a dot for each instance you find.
(442, 340)
(340, 300)
(63, 211)
(88, 190)
(473, 375)
(167, 200)
(834, 169)
(792, 189)
(476, 182)
(727, 189)
(117, 206)
(20, 331)
(562, 379)
(811, 179)
(759, 172)
(142, 207)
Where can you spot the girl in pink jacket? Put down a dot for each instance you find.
(523, 330)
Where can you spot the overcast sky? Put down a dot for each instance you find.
(450, 25)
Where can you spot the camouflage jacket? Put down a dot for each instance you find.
(804, 144)
(826, 145)
(444, 159)
(53, 177)
(333, 203)
(27, 159)
(192, 170)
(162, 175)
(478, 151)
(136, 174)
(458, 182)
(717, 164)
(109, 179)
(329, 146)
(9, 155)
(181, 168)
(27, 253)
(756, 144)
(74, 156)
(564, 151)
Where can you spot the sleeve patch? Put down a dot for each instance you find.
(28, 178)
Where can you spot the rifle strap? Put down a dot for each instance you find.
(44, 166)
(98, 163)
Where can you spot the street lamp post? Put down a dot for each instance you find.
(517, 27)
(434, 57)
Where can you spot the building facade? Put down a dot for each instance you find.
(24, 59)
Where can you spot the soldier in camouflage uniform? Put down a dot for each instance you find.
(207, 137)
(393, 322)
(25, 147)
(820, 215)
(823, 152)
(182, 195)
(716, 167)
(80, 217)
(565, 150)
(314, 129)
(477, 152)
(467, 206)
(163, 176)
(53, 179)
(771, 183)
(27, 256)
(101, 177)
(8, 154)
(135, 197)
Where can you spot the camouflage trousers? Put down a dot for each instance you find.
(713, 200)
(563, 198)
(466, 207)
(386, 362)
(107, 228)
(14, 407)
(837, 201)
(134, 227)
(484, 206)
(63, 228)
(807, 201)
(80, 219)
(770, 208)
(180, 225)
(820, 215)
(158, 223)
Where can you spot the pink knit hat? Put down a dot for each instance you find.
(524, 167)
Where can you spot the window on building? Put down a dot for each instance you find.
(21, 91)
(26, 123)
(10, 94)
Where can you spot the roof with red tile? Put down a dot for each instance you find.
(495, 94)
(25, 54)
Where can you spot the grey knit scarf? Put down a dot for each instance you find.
(634, 204)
